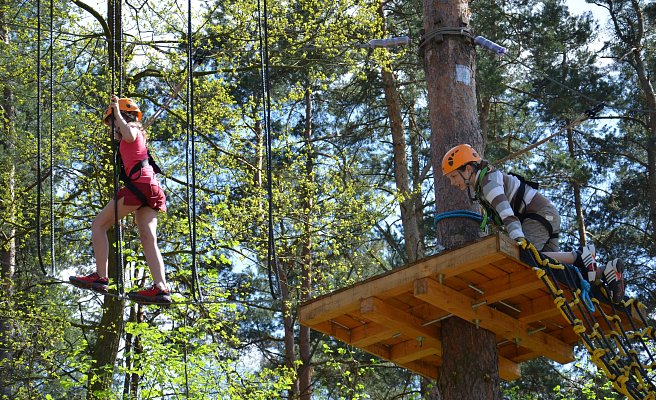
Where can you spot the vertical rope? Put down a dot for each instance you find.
(191, 152)
(38, 138)
(118, 236)
(52, 140)
(186, 355)
(263, 30)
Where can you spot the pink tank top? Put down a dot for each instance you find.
(133, 153)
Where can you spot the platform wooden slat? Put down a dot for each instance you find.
(397, 316)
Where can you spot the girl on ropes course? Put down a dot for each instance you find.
(517, 206)
(141, 195)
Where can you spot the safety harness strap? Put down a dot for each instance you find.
(137, 168)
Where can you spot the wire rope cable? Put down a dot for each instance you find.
(52, 138)
(263, 35)
(38, 140)
(116, 45)
(191, 155)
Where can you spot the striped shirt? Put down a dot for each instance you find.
(498, 190)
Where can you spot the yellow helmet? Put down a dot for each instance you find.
(458, 156)
(124, 104)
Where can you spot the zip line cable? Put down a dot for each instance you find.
(191, 151)
(263, 34)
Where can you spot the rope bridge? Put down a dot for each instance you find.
(625, 356)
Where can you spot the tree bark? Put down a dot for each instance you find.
(8, 230)
(576, 186)
(110, 328)
(414, 247)
(305, 370)
(8, 248)
(450, 66)
(474, 373)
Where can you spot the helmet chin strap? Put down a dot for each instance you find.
(467, 182)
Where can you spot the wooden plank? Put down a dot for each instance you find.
(427, 339)
(448, 263)
(421, 368)
(379, 311)
(370, 333)
(511, 285)
(508, 369)
(411, 350)
(541, 308)
(334, 330)
(502, 324)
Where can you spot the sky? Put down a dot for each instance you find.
(580, 6)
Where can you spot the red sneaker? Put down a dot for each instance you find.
(154, 295)
(91, 281)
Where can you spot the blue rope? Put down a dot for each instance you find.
(458, 214)
(585, 292)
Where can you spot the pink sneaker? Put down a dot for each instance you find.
(92, 281)
(154, 295)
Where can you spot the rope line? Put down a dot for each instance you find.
(263, 34)
(115, 63)
(191, 151)
(458, 214)
(622, 355)
(38, 140)
(52, 138)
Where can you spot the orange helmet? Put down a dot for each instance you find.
(124, 104)
(458, 156)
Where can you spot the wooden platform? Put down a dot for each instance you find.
(397, 315)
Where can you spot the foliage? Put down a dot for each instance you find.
(335, 205)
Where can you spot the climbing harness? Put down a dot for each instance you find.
(127, 178)
(516, 205)
(519, 200)
(624, 356)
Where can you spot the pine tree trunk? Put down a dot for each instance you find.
(110, 328)
(414, 247)
(634, 39)
(8, 240)
(473, 373)
(576, 186)
(305, 370)
(7, 231)
(288, 328)
(104, 354)
(450, 65)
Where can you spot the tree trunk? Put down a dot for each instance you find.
(288, 327)
(474, 373)
(634, 39)
(8, 230)
(104, 354)
(8, 247)
(414, 247)
(305, 370)
(450, 65)
(576, 186)
(647, 88)
(110, 328)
